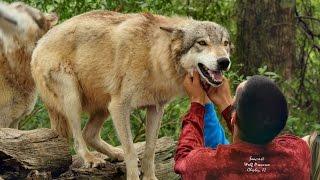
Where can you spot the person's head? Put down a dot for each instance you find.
(260, 110)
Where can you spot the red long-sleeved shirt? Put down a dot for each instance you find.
(286, 157)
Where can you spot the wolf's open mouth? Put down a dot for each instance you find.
(213, 77)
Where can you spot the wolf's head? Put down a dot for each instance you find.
(204, 46)
(25, 22)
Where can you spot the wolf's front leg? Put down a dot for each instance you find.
(120, 113)
(91, 134)
(154, 116)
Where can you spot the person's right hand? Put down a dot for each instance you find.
(194, 88)
(221, 96)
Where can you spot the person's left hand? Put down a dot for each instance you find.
(193, 88)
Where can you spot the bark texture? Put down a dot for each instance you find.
(266, 35)
(42, 154)
(24, 153)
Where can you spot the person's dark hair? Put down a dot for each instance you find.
(262, 110)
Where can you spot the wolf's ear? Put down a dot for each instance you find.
(168, 29)
(52, 18)
(18, 5)
(8, 25)
(175, 32)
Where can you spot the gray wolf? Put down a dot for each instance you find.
(105, 63)
(21, 26)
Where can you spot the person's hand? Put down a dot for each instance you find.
(193, 88)
(221, 96)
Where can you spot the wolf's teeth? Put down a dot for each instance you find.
(212, 76)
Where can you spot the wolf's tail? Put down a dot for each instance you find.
(48, 95)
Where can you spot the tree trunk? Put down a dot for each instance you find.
(266, 35)
(42, 154)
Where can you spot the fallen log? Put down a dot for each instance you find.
(42, 154)
(116, 170)
(22, 152)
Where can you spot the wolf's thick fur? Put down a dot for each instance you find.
(105, 62)
(313, 141)
(19, 32)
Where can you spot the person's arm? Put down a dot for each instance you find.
(226, 114)
(213, 131)
(191, 136)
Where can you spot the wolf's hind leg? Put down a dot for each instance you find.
(154, 116)
(69, 100)
(91, 134)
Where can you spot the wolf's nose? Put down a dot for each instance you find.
(223, 63)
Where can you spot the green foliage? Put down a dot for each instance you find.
(303, 89)
(304, 101)
(37, 119)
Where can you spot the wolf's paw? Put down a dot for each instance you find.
(133, 175)
(117, 155)
(132, 169)
(150, 178)
(91, 161)
(148, 169)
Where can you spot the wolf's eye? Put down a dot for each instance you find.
(202, 43)
(225, 43)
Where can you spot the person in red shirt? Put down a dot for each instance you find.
(255, 117)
